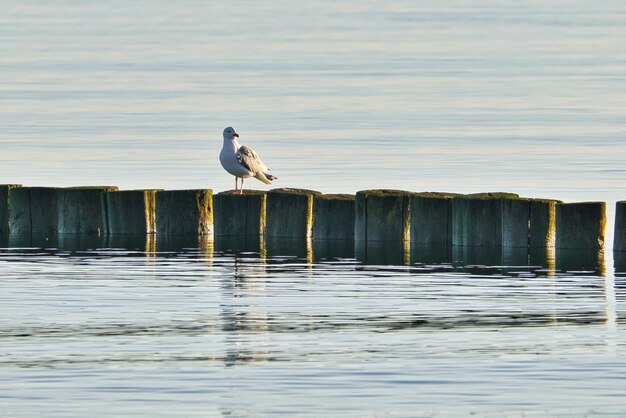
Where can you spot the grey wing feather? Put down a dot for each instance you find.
(250, 159)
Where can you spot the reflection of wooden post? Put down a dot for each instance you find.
(184, 212)
(580, 225)
(492, 219)
(34, 210)
(81, 211)
(240, 214)
(620, 226)
(130, 211)
(333, 217)
(431, 218)
(290, 213)
(382, 215)
(5, 202)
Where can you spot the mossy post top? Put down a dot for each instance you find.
(383, 193)
(591, 203)
(545, 200)
(250, 192)
(437, 195)
(491, 196)
(288, 190)
(336, 197)
(137, 191)
(103, 188)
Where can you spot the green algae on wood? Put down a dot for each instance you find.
(290, 213)
(130, 211)
(240, 214)
(382, 215)
(581, 225)
(81, 211)
(333, 217)
(5, 203)
(184, 212)
(34, 210)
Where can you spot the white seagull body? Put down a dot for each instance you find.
(241, 161)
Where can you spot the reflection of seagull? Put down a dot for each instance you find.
(241, 161)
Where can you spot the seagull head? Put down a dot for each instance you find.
(230, 133)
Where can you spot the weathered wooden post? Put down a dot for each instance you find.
(619, 243)
(542, 223)
(333, 217)
(5, 203)
(494, 219)
(184, 212)
(290, 213)
(382, 215)
(130, 211)
(80, 210)
(580, 225)
(240, 214)
(34, 210)
(431, 218)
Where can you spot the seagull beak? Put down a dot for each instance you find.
(236, 135)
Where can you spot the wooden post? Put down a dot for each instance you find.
(184, 212)
(493, 219)
(431, 218)
(34, 210)
(290, 213)
(382, 215)
(542, 223)
(333, 217)
(130, 211)
(580, 225)
(80, 210)
(5, 204)
(240, 214)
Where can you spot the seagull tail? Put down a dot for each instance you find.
(265, 177)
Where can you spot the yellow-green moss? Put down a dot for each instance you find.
(437, 195)
(336, 197)
(492, 195)
(383, 192)
(288, 190)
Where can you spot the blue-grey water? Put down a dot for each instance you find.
(526, 97)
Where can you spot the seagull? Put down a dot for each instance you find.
(241, 161)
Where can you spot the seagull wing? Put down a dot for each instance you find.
(250, 159)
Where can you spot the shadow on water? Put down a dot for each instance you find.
(236, 244)
(329, 250)
(473, 259)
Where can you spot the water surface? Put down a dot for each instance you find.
(171, 327)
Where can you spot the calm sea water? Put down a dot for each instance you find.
(336, 96)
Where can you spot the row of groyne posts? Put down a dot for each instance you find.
(496, 219)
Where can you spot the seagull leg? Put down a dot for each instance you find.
(241, 190)
(236, 183)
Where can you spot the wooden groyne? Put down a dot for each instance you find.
(486, 219)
